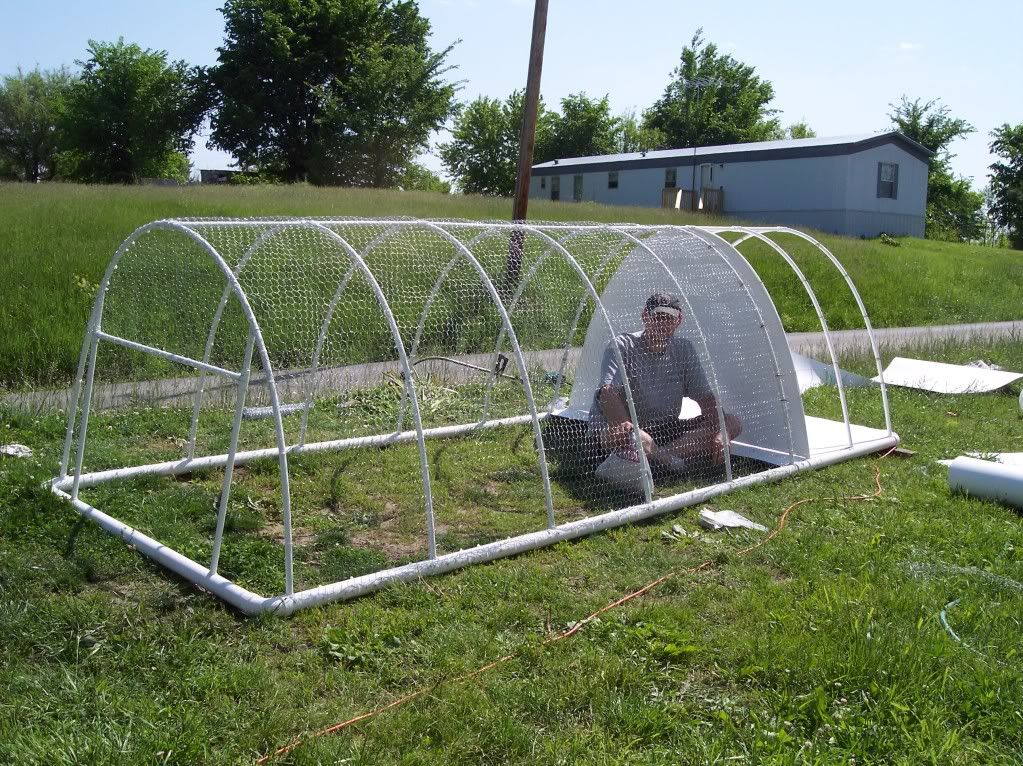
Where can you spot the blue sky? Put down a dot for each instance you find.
(837, 66)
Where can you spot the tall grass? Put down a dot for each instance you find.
(56, 239)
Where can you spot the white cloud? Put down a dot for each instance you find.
(905, 46)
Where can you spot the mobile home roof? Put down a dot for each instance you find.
(762, 150)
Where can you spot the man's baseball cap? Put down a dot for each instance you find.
(663, 303)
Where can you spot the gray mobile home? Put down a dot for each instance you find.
(854, 185)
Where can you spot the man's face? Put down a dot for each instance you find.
(658, 328)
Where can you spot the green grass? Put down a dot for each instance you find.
(55, 241)
(823, 646)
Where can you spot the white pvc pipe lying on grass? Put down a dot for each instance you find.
(177, 467)
(252, 603)
(987, 479)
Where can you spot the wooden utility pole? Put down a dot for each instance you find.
(527, 139)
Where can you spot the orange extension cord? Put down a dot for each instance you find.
(782, 520)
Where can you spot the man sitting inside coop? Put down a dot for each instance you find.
(662, 370)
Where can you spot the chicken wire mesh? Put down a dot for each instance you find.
(584, 368)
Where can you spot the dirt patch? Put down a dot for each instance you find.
(394, 546)
(778, 575)
(299, 535)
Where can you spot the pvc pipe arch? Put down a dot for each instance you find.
(863, 313)
(767, 336)
(399, 346)
(648, 479)
(93, 342)
(519, 291)
(462, 251)
(820, 315)
(427, 305)
(250, 251)
(706, 350)
(506, 320)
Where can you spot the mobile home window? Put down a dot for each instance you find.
(670, 178)
(888, 180)
(612, 180)
(577, 188)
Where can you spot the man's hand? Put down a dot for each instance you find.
(621, 437)
(717, 450)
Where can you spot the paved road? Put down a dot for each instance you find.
(294, 386)
(892, 338)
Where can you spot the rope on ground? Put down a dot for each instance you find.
(571, 631)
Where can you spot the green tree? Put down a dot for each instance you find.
(419, 178)
(930, 124)
(483, 153)
(632, 136)
(329, 91)
(800, 130)
(584, 128)
(953, 208)
(131, 114)
(994, 234)
(713, 99)
(175, 167)
(479, 156)
(30, 107)
(1007, 181)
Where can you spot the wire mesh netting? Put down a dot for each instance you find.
(300, 373)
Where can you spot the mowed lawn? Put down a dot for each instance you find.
(56, 239)
(826, 645)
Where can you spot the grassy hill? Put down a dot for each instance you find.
(56, 239)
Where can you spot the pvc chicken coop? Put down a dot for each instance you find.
(382, 400)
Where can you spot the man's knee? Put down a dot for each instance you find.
(603, 439)
(612, 404)
(710, 425)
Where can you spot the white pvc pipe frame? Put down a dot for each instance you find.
(251, 603)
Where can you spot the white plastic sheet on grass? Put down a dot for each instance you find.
(812, 373)
(715, 520)
(944, 378)
(15, 450)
